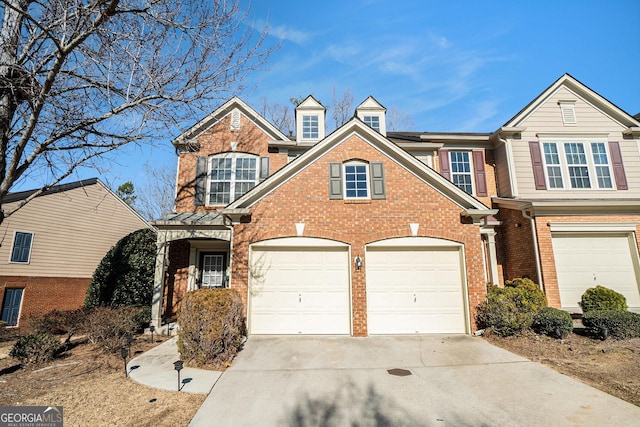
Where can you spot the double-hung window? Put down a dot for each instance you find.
(461, 170)
(356, 180)
(21, 251)
(231, 176)
(577, 165)
(373, 122)
(310, 127)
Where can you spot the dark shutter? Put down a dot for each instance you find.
(264, 168)
(618, 167)
(335, 180)
(538, 166)
(377, 181)
(444, 164)
(481, 179)
(201, 180)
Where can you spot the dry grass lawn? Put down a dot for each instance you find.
(93, 390)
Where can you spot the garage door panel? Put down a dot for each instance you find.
(414, 290)
(300, 291)
(584, 261)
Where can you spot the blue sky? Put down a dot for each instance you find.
(460, 66)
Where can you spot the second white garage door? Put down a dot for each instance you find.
(586, 260)
(415, 289)
(300, 290)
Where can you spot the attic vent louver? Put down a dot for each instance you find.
(235, 120)
(567, 108)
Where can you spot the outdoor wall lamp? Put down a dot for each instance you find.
(177, 365)
(358, 262)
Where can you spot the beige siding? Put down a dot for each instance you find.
(72, 230)
(502, 172)
(547, 120)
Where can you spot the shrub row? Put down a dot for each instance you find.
(614, 323)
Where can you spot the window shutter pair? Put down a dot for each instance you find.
(478, 169)
(376, 170)
(616, 165)
(201, 177)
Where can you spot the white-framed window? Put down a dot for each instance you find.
(21, 250)
(230, 176)
(356, 180)
(577, 165)
(461, 170)
(373, 122)
(310, 127)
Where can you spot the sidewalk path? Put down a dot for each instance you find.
(154, 368)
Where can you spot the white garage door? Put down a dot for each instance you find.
(299, 290)
(584, 261)
(414, 290)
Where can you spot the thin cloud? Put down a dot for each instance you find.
(283, 32)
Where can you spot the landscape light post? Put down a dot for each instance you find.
(124, 353)
(177, 365)
(152, 328)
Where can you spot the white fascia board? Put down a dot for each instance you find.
(620, 227)
(296, 242)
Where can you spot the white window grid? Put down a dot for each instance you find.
(230, 177)
(577, 165)
(461, 167)
(356, 180)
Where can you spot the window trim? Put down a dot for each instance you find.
(4, 301)
(471, 172)
(594, 183)
(13, 246)
(367, 180)
(311, 135)
(232, 187)
(367, 119)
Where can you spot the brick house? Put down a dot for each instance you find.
(51, 246)
(365, 231)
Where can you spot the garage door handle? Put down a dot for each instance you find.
(414, 297)
(299, 298)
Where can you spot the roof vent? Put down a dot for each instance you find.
(567, 108)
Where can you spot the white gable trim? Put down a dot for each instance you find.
(224, 110)
(357, 127)
(580, 91)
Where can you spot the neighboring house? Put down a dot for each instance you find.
(51, 246)
(365, 231)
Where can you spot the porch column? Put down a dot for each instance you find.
(491, 254)
(158, 280)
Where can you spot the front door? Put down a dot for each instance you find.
(213, 269)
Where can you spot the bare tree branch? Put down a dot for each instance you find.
(81, 78)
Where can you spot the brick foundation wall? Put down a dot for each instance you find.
(44, 294)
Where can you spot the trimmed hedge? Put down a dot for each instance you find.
(618, 324)
(211, 327)
(553, 322)
(124, 276)
(601, 298)
(36, 348)
(510, 310)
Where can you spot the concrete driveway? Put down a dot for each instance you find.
(453, 381)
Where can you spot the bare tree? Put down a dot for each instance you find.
(81, 78)
(281, 116)
(158, 193)
(342, 109)
(398, 120)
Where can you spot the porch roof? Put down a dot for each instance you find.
(189, 219)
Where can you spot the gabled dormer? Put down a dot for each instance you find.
(373, 114)
(310, 121)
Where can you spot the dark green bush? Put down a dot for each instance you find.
(211, 327)
(124, 277)
(601, 298)
(109, 327)
(510, 310)
(619, 324)
(553, 322)
(36, 348)
(58, 322)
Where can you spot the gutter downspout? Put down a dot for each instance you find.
(534, 235)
